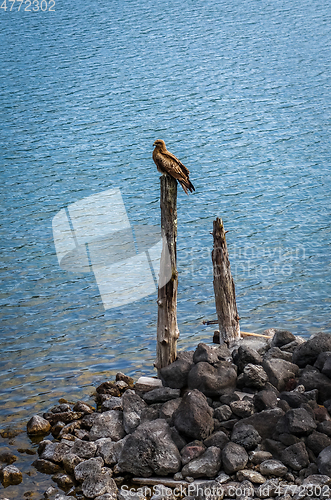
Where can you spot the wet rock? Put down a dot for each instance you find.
(234, 458)
(65, 417)
(280, 372)
(109, 450)
(245, 435)
(254, 376)
(194, 417)
(311, 378)
(273, 468)
(259, 456)
(121, 377)
(281, 338)
(206, 465)
(265, 400)
(161, 395)
(108, 424)
(218, 438)
(213, 380)
(265, 422)
(10, 475)
(242, 408)
(88, 468)
(149, 450)
(38, 425)
(317, 441)
(324, 461)
(64, 481)
(246, 355)
(175, 375)
(308, 352)
(133, 406)
(191, 451)
(7, 456)
(222, 413)
(210, 354)
(99, 484)
(70, 461)
(250, 475)
(83, 407)
(45, 466)
(110, 388)
(295, 456)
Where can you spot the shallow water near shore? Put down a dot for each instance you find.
(240, 92)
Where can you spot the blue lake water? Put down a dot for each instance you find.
(240, 92)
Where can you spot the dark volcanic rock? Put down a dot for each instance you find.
(311, 378)
(295, 456)
(275, 352)
(218, 438)
(325, 427)
(211, 354)
(84, 449)
(109, 450)
(298, 421)
(273, 468)
(324, 461)
(308, 352)
(282, 337)
(246, 355)
(133, 407)
(108, 424)
(254, 376)
(175, 375)
(161, 395)
(150, 450)
(280, 372)
(317, 441)
(206, 465)
(223, 412)
(243, 408)
(194, 417)
(265, 400)
(293, 398)
(213, 380)
(246, 436)
(191, 451)
(168, 408)
(265, 422)
(45, 466)
(234, 458)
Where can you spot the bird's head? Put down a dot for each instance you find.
(159, 143)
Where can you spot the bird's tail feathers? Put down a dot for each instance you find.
(186, 185)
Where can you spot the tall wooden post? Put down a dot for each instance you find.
(225, 295)
(167, 329)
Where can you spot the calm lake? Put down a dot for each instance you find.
(240, 92)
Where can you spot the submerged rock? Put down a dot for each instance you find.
(10, 475)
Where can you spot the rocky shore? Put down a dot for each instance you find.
(250, 421)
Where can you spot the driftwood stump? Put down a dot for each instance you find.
(167, 329)
(225, 295)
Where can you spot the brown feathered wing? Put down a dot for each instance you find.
(168, 163)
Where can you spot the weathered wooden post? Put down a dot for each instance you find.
(167, 329)
(225, 295)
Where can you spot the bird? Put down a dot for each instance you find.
(167, 163)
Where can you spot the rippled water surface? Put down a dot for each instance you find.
(240, 92)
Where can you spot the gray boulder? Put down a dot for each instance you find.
(299, 422)
(265, 422)
(38, 425)
(206, 465)
(133, 407)
(280, 372)
(109, 450)
(213, 380)
(317, 441)
(161, 395)
(281, 338)
(265, 400)
(222, 413)
(167, 410)
(308, 352)
(192, 451)
(88, 468)
(175, 375)
(246, 436)
(275, 352)
(99, 484)
(234, 458)
(324, 461)
(254, 376)
(70, 461)
(210, 354)
(52, 451)
(194, 417)
(150, 450)
(295, 456)
(218, 438)
(311, 378)
(273, 468)
(108, 424)
(246, 355)
(322, 358)
(84, 449)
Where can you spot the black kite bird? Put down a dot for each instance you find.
(167, 163)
